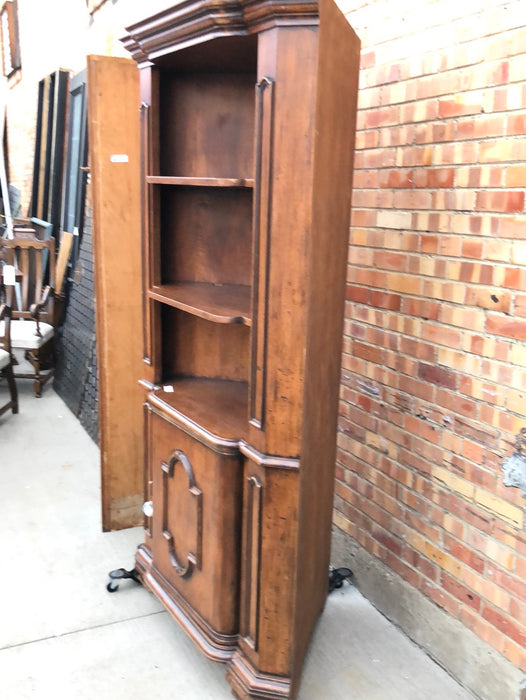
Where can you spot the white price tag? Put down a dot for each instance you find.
(9, 275)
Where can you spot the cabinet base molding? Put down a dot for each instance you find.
(215, 646)
(247, 682)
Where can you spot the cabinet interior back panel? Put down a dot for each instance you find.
(195, 347)
(206, 235)
(207, 124)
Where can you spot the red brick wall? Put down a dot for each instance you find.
(434, 381)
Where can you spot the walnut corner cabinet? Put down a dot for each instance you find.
(247, 133)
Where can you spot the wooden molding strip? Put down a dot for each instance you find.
(213, 644)
(252, 558)
(268, 461)
(261, 242)
(247, 682)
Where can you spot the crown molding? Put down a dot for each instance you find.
(193, 21)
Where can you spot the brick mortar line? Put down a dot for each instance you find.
(418, 12)
(437, 256)
(487, 560)
(401, 39)
(431, 481)
(437, 96)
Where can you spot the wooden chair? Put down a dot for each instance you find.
(31, 301)
(6, 360)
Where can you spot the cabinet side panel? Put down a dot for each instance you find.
(268, 572)
(339, 54)
(113, 94)
(287, 57)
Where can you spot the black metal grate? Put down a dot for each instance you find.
(76, 373)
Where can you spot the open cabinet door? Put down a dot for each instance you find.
(113, 130)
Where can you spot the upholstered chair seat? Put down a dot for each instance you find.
(24, 334)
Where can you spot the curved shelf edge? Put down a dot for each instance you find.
(219, 303)
(200, 181)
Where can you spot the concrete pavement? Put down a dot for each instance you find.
(62, 635)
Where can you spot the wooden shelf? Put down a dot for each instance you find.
(213, 409)
(220, 303)
(200, 181)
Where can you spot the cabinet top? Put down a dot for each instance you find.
(190, 22)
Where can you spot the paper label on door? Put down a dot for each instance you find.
(119, 158)
(9, 275)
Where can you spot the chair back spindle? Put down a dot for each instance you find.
(27, 255)
(31, 300)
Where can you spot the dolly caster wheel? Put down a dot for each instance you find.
(119, 574)
(337, 577)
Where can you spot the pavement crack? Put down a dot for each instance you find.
(80, 630)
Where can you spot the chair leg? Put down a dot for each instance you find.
(34, 357)
(41, 360)
(10, 376)
(37, 384)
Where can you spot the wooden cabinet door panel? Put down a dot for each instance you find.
(196, 522)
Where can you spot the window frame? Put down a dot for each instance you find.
(93, 5)
(9, 31)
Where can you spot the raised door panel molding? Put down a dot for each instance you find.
(189, 505)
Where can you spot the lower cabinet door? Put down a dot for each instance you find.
(196, 527)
